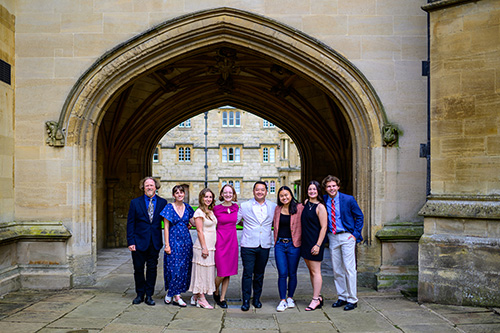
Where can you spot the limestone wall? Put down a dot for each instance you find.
(7, 114)
(56, 42)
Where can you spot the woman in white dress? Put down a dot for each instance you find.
(203, 269)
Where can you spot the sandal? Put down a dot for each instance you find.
(318, 306)
(194, 300)
(203, 303)
(179, 302)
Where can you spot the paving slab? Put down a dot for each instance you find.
(287, 317)
(305, 327)
(142, 316)
(27, 316)
(253, 321)
(443, 308)
(473, 318)
(20, 327)
(480, 328)
(134, 328)
(80, 323)
(430, 328)
(195, 325)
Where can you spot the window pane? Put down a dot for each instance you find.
(231, 118)
(271, 155)
(188, 123)
(237, 155)
(187, 154)
(156, 156)
(224, 182)
(224, 118)
(237, 120)
(237, 186)
(224, 154)
(265, 155)
(181, 154)
(231, 183)
(231, 154)
(272, 187)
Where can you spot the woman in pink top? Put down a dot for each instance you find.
(226, 247)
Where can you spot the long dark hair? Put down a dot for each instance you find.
(293, 203)
(318, 188)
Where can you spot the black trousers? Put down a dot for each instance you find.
(254, 261)
(145, 285)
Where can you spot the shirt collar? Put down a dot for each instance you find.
(254, 202)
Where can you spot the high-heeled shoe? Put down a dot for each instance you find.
(179, 302)
(203, 303)
(321, 299)
(194, 300)
(318, 306)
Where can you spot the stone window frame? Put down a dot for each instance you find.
(225, 153)
(185, 124)
(186, 149)
(269, 153)
(157, 154)
(236, 182)
(231, 118)
(272, 184)
(267, 124)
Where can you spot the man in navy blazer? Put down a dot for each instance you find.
(144, 238)
(345, 222)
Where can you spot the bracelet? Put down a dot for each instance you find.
(318, 245)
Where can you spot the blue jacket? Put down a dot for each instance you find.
(351, 215)
(140, 232)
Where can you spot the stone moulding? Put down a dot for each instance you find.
(47, 231)
(441, 4)
(469, 207)
(401, 232)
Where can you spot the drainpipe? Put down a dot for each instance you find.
(206, 149)
(425, 148)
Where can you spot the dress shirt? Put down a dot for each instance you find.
(338, 217)
(147, 201)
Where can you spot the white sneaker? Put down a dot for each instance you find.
(290, 302)
(282, 306)
(168, 299)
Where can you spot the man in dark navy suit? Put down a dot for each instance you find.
(345, 222)
(144, 238)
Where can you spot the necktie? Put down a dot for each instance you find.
(334, 222)
(151, 210)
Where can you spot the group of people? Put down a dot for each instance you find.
(205, 267)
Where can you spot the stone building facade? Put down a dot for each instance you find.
(95, 85)
(241, 149)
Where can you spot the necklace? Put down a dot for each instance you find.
(228, 209)
(310, 205)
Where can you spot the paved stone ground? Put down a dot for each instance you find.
(107, 307)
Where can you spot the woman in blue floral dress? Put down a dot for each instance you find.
(178, 247)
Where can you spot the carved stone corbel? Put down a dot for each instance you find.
(390, 135)
(55, 135)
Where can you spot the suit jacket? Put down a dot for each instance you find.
(256, 233)
(141, 232)
(295, 224)
(351, 215)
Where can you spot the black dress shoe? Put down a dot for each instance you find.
(149, 300)
(339, 303)
(138, 300)
(257, 303)
(245, 306)
(222, 304)
(350, 306)
(216, 298)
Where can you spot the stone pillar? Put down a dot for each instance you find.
(459, 253)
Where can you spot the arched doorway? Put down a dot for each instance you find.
(135, 93)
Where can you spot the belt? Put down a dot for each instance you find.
(340, 232)
(284, 240)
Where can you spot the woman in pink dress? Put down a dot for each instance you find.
(226, 247)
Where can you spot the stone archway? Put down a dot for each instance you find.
(304, 87)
